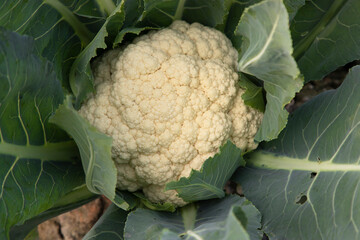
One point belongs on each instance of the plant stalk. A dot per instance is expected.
(179, 10)
(80, 29)
(306, 42)
(62, 151)
(78, 194)
(188, 214)
(107, 6)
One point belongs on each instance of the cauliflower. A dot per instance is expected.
(169, 100)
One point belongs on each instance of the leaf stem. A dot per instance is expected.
(107, 6)
(62, 151)
(78, 194)
(266, 160)
(179, 10)
(80, 29)
(188, 214)
(74, 199)
(305, 43)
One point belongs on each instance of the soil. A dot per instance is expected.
(75, 224)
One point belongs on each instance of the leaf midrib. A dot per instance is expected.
(62, 151)
(243, 65)
(271, 161)
(305, 43)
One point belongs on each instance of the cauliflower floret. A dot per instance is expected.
(245, 122)
(169, 100)
(156, 194)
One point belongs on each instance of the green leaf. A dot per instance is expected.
(161, 13)
(265, 53)
(209, 182)
(325, 36)
(166, 234)
(33, 235)
(106, 6)
(120, 22)
(210, 13)
(232, 217)
(235, 9)
(292, 6)
(74, 199)
(109, 226)
(133, 30)
(95, 151)
(306, 183)
(253, 95)
(87, 11)
(81, 78)
(168, 207)
(133, 11)
(36, 157)
(80, 30)
(45, 24)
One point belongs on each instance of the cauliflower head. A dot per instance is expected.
(169, 100)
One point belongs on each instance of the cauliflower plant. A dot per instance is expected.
(169, 100)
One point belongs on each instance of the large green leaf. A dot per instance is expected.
(222, 14)
(120, 22)
(133, 10)
(232, 217)
(209, 182)
(161, 13)
(36, 157)
(306, 183)
(40, 20)
(293, 7)
(81, 78)
(326, 36)
(199, 11)
(74, 199)
(155, 14)
(265, 53)
(95, 151)
(235, 8)
(109, 226)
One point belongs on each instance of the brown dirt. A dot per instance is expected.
(313, 88)
(75, 224)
